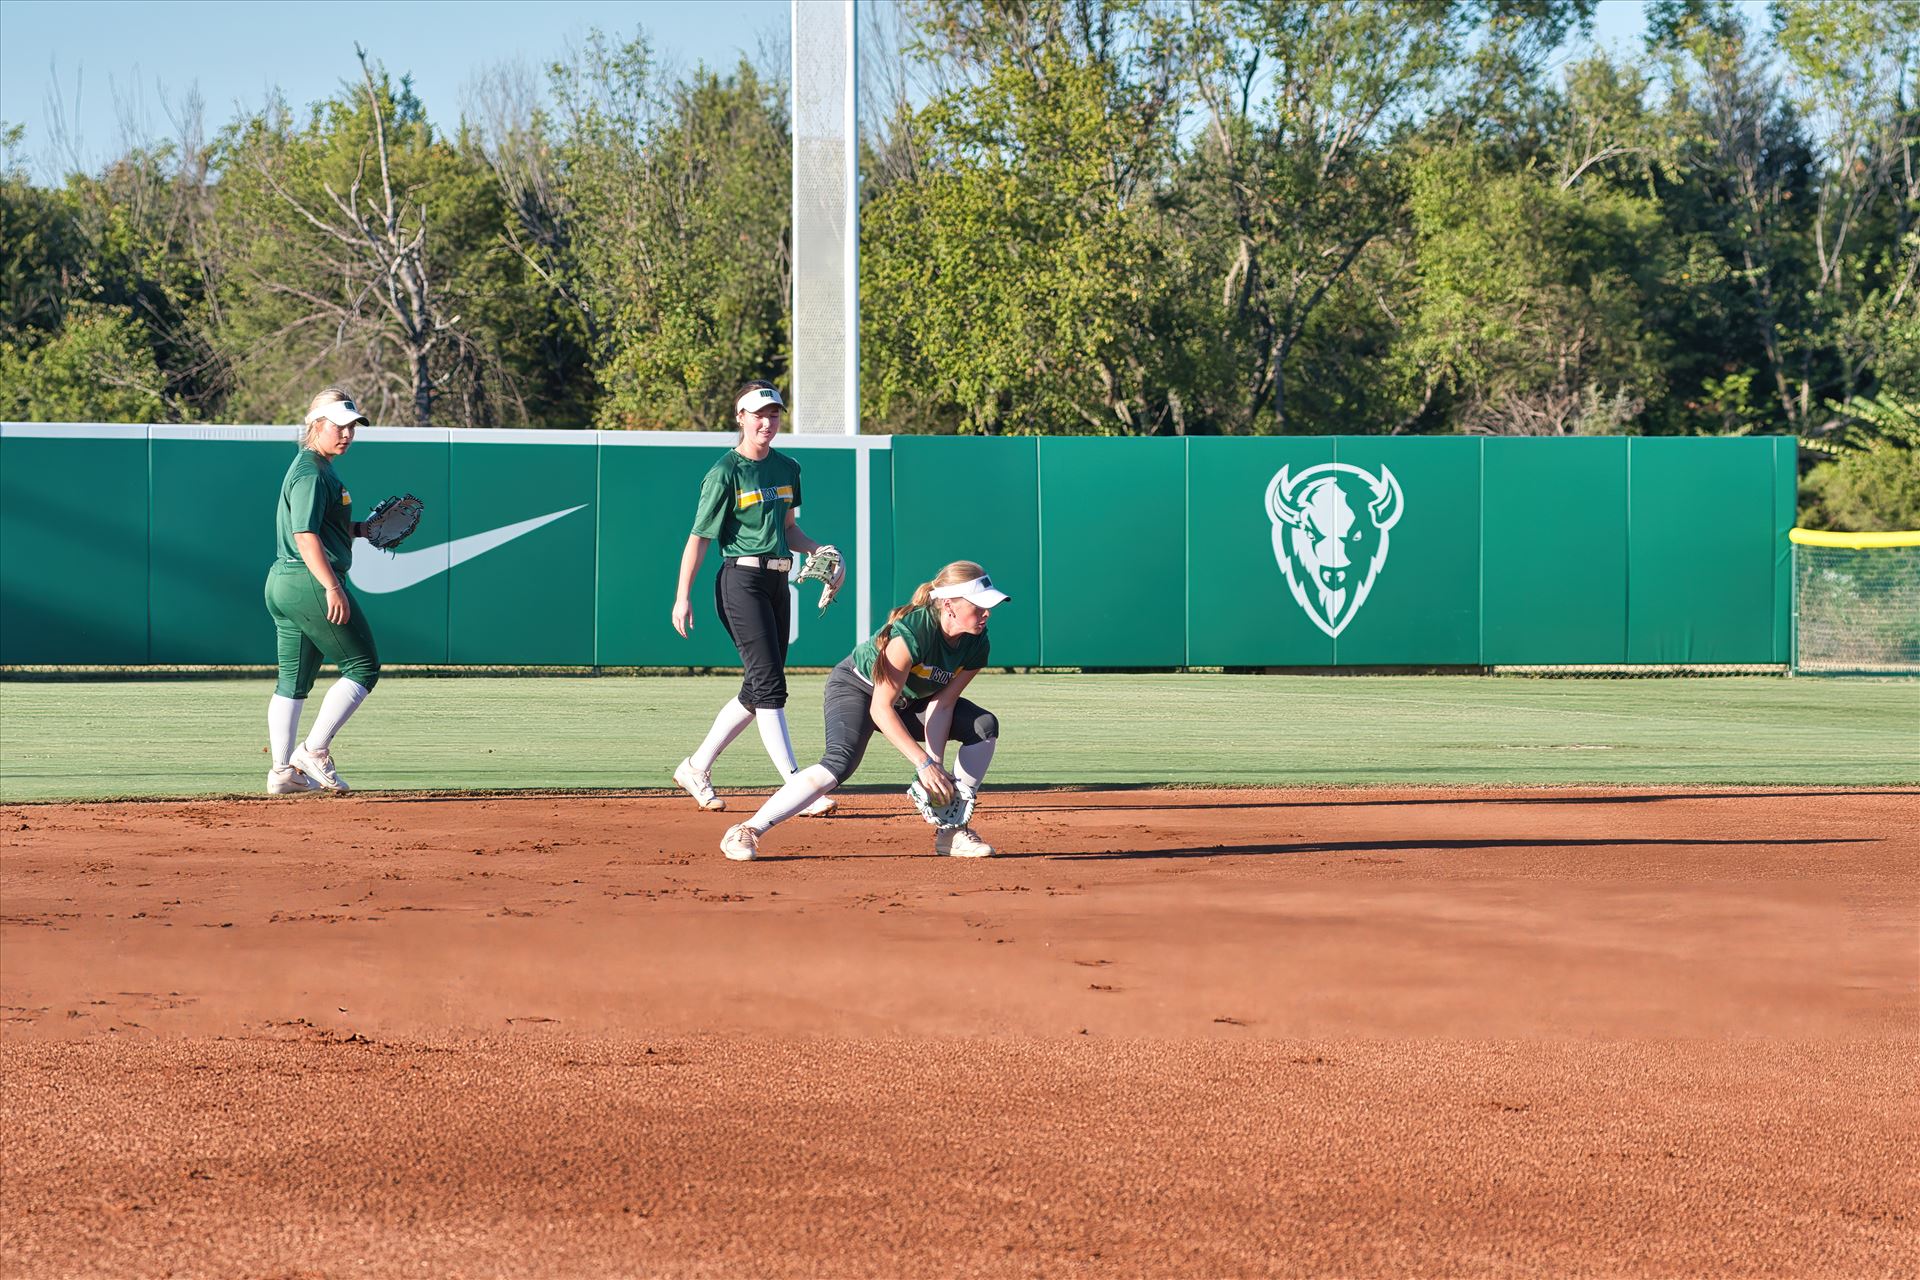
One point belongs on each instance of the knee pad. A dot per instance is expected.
(987, 726)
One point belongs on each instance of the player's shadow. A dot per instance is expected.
(1458, 798)
(1420, 846)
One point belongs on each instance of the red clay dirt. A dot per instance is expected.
(1356, 1032)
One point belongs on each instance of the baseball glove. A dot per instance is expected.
(823, 566)
(391, 520)
(954, 813)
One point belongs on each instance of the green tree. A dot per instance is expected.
(1854, 68)
(1533, 298)
(42, 253)
(145, 219)
(1297, 174)
(126, 247)
(677, 199)
(1028, 278)
(1800, 177)
(548, 331)
(1876, 489)
(97, 367)
(360, 248)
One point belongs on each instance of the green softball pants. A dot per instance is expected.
(298, 604)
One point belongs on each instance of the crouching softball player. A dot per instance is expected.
(906, 682)
(313, 614)
(748, 504)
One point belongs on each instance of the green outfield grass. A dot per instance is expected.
(178, 737)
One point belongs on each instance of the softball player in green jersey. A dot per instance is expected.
(749, 501)
(313, 613)
(905, 682)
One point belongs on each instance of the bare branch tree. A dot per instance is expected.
(371, 239)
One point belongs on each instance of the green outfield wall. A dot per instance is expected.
(149, 545)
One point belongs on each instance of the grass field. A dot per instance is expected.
(177, 737)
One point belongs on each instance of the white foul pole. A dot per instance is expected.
(825, 337)
(826, 219)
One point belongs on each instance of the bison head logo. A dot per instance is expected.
(1330, 526)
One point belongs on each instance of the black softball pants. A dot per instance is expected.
(757, 612)
(849, 710)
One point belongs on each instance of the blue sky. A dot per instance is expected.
(102, 59)
(138, 55)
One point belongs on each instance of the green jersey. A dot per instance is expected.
(314, 500)
(744, 504)
(935, 659)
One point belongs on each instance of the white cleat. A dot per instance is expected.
(285, 780)
(318, 765)
(820, 808)
(741, 843)
(960, 842)
(698, 785)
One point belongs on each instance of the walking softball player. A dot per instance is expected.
(749, 501)
(906, 682)
(313, 614)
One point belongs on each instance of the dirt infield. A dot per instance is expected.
(1605, 1033)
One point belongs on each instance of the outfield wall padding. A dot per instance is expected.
(148, 545)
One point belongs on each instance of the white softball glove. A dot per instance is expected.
(954, 813)
(824, 567)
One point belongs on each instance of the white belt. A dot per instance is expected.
(782, 564)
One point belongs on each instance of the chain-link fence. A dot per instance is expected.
(1856, 601)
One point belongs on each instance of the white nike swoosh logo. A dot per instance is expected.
(378, 572)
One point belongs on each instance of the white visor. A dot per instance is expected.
(757, 399)
(980, 591)
(341, 413)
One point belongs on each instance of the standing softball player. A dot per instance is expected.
(905, 682)
(749, 500)
(313, 613)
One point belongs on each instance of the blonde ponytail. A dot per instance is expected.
(922, 596)
(958, 571)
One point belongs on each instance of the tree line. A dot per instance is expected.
(1125, 217)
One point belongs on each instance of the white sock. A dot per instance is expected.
(773, 735)
(283, 726)
(726, 727)
(342, 700)
(802, 789)
(971, 761)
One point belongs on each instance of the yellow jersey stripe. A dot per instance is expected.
(752, 497)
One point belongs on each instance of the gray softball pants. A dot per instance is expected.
(849, 711)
